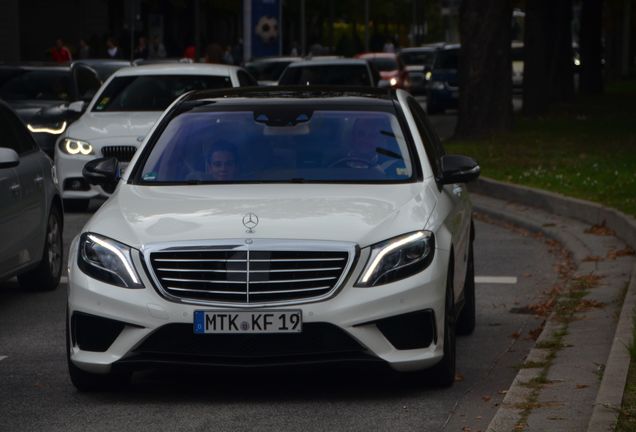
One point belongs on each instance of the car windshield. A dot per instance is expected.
(267, 70)
(19, 84)
(348, 75)
(279, 145)
(153, 92)
(384, 63)
(418, 58)
(447, 59)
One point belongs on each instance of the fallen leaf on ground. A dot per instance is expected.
(600, 230)
(581, 386)
(613, 254)
(459, 376)
(486, 398)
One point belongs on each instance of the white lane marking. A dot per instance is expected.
(496, 279)
(3, 357)
(64, 279)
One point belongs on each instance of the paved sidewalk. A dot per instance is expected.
(558, 389)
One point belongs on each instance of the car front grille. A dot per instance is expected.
(240, 275)
(122, 153)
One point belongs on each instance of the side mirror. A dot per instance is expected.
(103, 172)
(459, 169)
(8, 158)
(77, 106)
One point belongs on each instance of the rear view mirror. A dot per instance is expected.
(458, 169)
(103, 172)
(77, 106)
(8, 158)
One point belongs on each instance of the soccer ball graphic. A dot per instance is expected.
(267, 29)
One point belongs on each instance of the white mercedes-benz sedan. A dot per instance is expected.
(276, 226)
(122, 113)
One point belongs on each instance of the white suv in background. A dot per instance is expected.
(122, 113)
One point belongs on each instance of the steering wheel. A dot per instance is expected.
(351, 162)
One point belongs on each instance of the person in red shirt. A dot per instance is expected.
(59, 53)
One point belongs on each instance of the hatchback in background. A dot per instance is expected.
(390, 68)
(121, 115)
(268, 70)
(418, 62)
(332, 72)
(443, 88)
(31, 216)
(48, 98)
(277, 226)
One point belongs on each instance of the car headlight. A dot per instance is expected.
(55, 129)
(393, 82)
(436, 85)
(107, 260)
(72, 146)
(428, 75)
(398, 258)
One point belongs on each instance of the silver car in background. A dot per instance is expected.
(31, 214)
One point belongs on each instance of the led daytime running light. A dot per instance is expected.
(119, 255)
(387, 250)
(51, 131)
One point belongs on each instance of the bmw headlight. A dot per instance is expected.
(55, 129)
(107, 260)
(73, 147)
(398, 258)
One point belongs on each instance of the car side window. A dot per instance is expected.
(432, 145)
(26, 143)
(245, 79)
(8, 137)
(87, 83)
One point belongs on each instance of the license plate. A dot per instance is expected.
(262, 321)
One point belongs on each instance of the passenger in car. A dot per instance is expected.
(221, 160)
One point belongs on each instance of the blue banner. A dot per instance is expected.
(265, 28)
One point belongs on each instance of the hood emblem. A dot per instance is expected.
(250, 221)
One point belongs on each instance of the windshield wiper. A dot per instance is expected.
(388, 153)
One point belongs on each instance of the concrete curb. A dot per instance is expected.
(610, 395)
(595, 214)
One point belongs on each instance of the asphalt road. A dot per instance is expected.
(38, 396)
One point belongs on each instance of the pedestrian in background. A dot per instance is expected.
(156, 50)
(59, 53)
(112, 49)
(141, 51)
(84, 50)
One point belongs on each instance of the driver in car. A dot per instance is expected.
(368, 148)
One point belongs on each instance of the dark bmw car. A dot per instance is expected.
(47, 98)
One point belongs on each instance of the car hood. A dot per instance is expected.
(30, 109)
(95, 126)
(363, 214)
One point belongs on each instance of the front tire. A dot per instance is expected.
(46, 276)
(467, 317)
(443, 373)
(76, 205)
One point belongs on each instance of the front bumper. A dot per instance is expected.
(357, 324)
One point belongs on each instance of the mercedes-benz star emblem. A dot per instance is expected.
(250, 221)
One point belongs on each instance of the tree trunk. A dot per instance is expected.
(591, 79)
(485, 68)
(548, 74)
